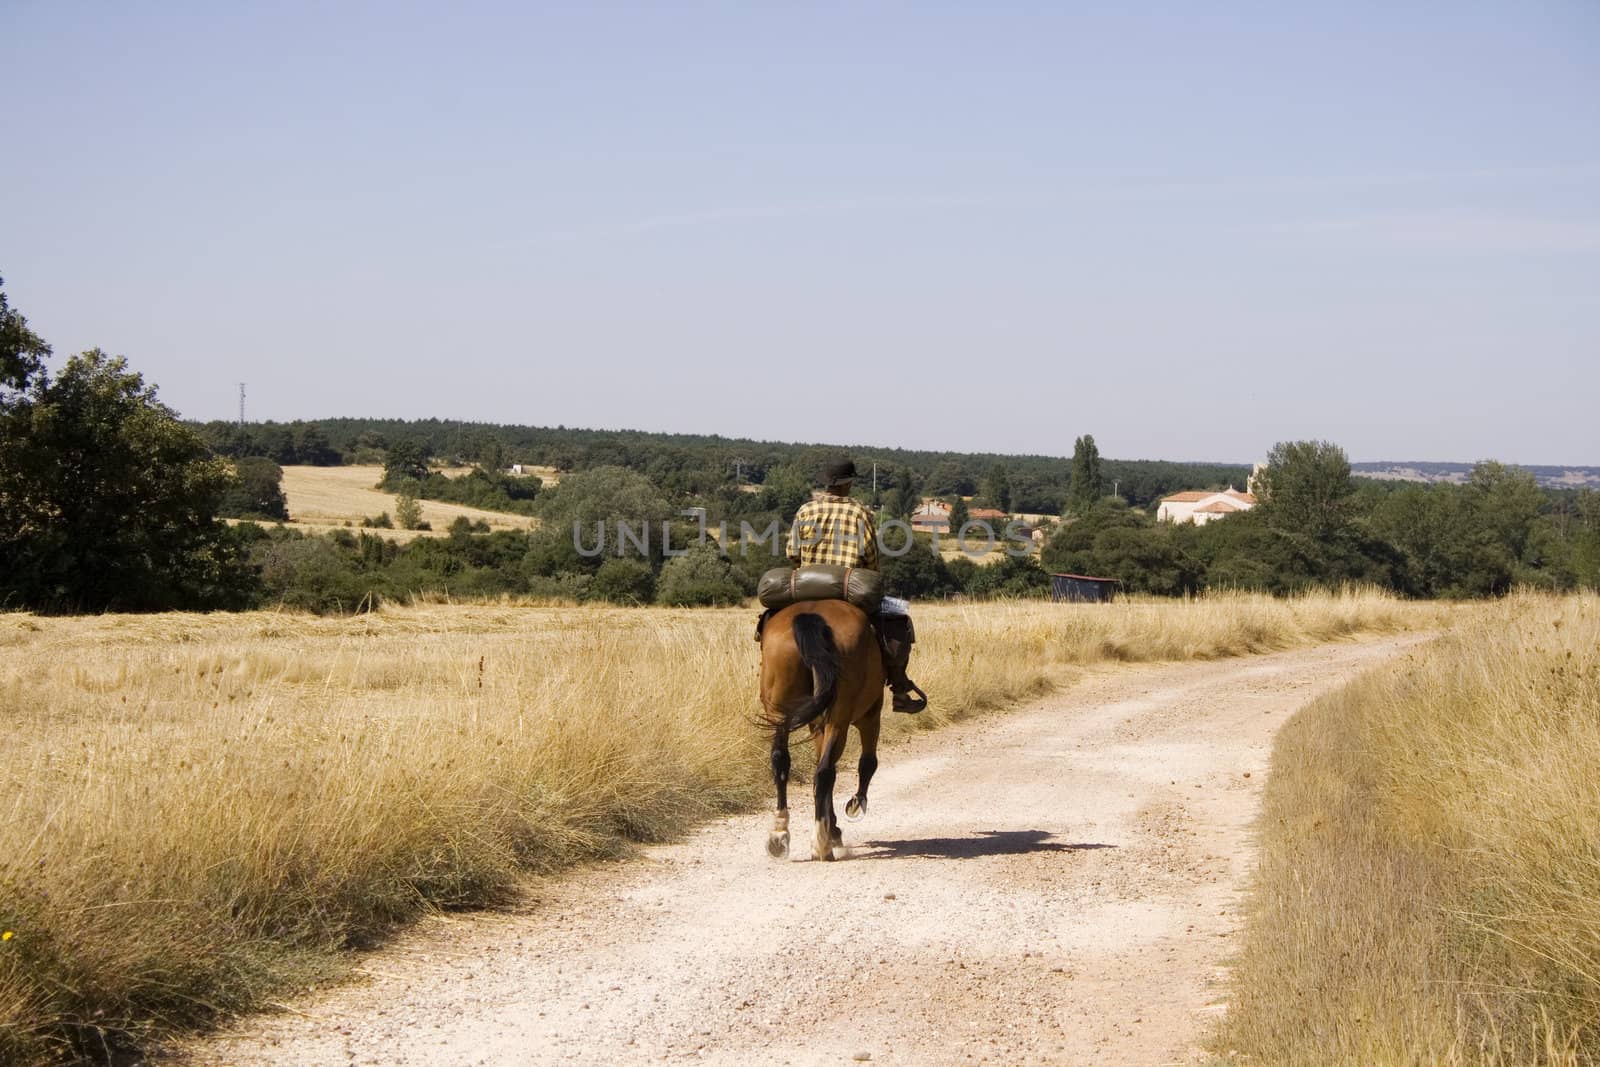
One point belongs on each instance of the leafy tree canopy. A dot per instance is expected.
(22, 352)
(1088, 485)
(1306, 486)
(256, 491)
(107, 501)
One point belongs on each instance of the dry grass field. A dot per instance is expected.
(205, 810)
(1429, 889)
(326, 498)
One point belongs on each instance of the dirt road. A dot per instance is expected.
(1053, 885)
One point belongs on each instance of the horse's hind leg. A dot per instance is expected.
(856, 806)
(830, 747)
(778, 839)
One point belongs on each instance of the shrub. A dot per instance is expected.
(919, 573)
(312, 573)
(407, 512)
(623, 581)
(701, 578)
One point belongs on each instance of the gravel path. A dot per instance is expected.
(1053, 885)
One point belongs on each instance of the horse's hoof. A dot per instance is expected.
(778, 844)
(855, 808)
(836, 839)
(823, 847)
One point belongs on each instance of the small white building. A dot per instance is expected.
(1201, 507)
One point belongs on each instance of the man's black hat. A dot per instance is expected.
(842, 469)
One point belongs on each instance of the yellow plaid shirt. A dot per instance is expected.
(834, 529)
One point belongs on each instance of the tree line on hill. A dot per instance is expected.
(108, 501)
(710, 466)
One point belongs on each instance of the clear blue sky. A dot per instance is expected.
(1191, 229)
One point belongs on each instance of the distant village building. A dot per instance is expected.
(933, 516)
(1201, 507)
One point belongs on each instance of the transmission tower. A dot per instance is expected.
(241, 405)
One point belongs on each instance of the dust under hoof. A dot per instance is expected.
(855, 808)
(824, 843)
(778, 844)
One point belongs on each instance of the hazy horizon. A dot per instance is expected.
(985, 229)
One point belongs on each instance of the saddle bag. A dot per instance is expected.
(782, 586)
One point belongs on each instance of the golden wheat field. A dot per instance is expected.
(1429, 889)
(325, 498)
(203, 809)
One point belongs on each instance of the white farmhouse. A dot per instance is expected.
(1201, 507)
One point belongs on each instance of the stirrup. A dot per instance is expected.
(916, 703)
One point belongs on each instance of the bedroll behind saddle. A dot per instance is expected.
(782, 586)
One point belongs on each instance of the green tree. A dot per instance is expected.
(491, 455)
(107, 501)
(407, 459)
(22, 352)
(407, 512)
(1585, 553)
(1088, 485)
(784, 490)
(1506, 502)
(948, 479)
(1306, 487)
(919, 572)
(997, 488)
(601, 494)
(959, 513)
(909, 487)
(256, 491)
(311, 446)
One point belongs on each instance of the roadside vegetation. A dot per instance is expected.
(204, 812)
(1429, 888)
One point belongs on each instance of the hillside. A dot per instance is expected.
(324, 498)
(1548, 476)
(708, 463)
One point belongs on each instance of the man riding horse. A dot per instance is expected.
(824, 662)
(837, 529)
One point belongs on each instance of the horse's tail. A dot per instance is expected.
(814, 641)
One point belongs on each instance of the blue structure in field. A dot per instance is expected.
(1080, 588)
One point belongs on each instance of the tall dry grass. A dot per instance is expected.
(201, 812)
(1429, 889)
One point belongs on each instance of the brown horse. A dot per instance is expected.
(821, 667)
